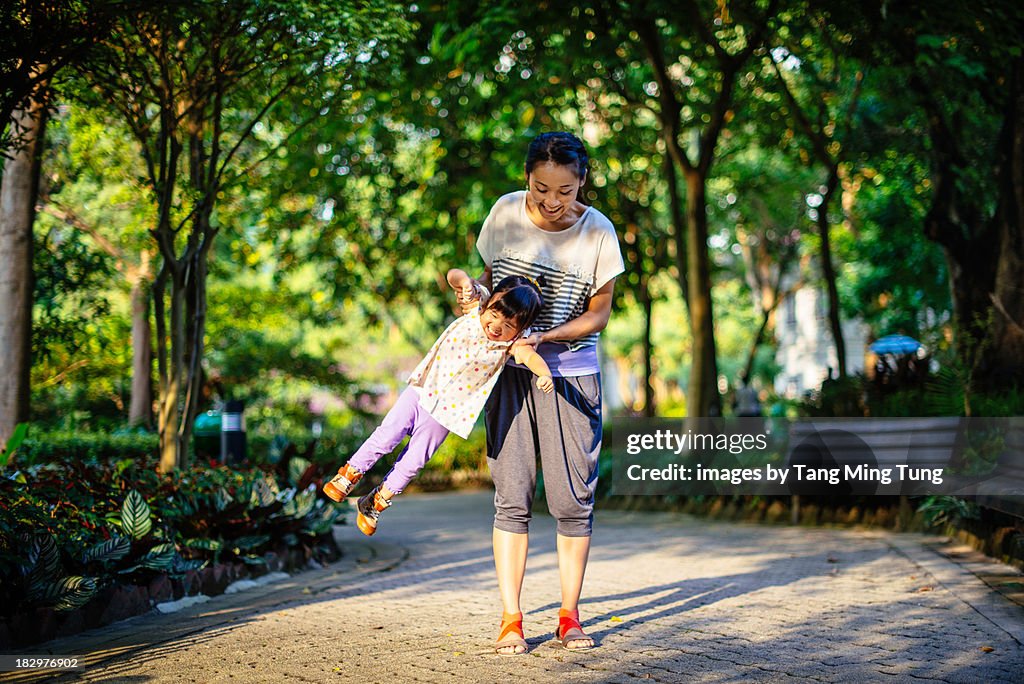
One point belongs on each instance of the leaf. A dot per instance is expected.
(75, 592)
(204, 544)
(135, 516)
(13, 442)
(222, 499)
(304, 504)
(160, 557)
(254, 560)
(44, 559)
(262, 495)
(249, 542)
(986, 649)
(181, 566)
(112, 550)
(296, 468)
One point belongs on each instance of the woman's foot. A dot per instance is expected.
(343, 483)
(570, 632)
(510, 635)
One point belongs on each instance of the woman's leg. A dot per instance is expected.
(510, 551)
(572, 566)
(512, 454)
(570, 434)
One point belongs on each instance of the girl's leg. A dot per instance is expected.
(396, 425)
(426, 437)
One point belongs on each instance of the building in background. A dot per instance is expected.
(805, 349)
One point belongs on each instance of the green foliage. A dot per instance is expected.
(86, 446)
(13, 442)
(73, 525)
(947, 510)
(344, 206)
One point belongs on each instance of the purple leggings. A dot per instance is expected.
(406, 417)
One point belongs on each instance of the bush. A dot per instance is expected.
(84, 446)
(72, 525)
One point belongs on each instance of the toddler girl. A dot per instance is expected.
(448, 389)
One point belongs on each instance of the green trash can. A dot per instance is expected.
(206, 436)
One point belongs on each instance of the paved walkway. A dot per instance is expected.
(668, 599)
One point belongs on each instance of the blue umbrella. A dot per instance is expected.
(895, 344)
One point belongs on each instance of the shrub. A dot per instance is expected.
(68, 527)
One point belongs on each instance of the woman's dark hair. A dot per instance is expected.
(520, 300)
(562, 148)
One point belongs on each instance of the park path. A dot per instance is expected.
(668, 598)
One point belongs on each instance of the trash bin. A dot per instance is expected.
(206, 436)
(232, 432)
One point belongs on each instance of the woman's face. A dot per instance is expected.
(553, 189)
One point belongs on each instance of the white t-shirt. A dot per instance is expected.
(575, 262)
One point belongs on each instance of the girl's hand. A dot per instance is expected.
(545, 384)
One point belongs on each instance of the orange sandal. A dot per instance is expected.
(511, 635)
(569, 630)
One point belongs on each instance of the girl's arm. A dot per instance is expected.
(593, 320)
(525, 355)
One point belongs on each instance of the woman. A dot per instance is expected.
(571, 249)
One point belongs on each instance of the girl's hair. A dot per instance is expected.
(562, 148)
(520, 300)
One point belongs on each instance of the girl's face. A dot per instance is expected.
(497, 327)
(553, 189)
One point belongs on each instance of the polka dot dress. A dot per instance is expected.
(456, 376)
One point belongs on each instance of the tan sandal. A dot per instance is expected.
(569, 630)
(511, 635)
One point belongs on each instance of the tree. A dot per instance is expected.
(39, 39)
(18, 190)
(92, 190)
(198, 85)
(831, 91)
(961, 65)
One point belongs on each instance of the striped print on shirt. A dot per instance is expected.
(565, 294)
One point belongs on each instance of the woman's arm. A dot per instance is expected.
(593, 320)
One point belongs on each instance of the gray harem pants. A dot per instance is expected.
(564, 429)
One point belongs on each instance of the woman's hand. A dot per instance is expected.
(468, 292)
(532, 341)
(468, 296)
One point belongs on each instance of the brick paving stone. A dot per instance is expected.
(668, 598)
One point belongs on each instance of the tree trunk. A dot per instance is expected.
(1002, 362)
(171, 350)
(702, 397)
(678, 228)
(648, 347)
(18, 191)
(141, 406)
(829, 272)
